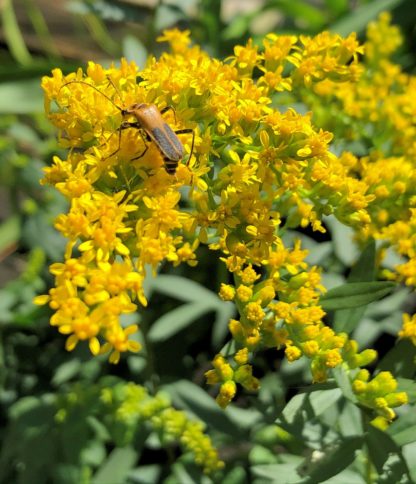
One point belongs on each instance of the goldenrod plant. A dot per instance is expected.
(270, 141)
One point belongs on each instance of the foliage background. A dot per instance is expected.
(187, 319)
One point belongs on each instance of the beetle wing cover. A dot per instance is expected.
(168, 142)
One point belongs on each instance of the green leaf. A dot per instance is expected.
(344, 383)
(9, 233)
(389, 304)
(301, 10)
(403, 430)
(176, 320)
(134, 50)
(332, 459)
(380, 448)
(355, 295)
(336, 7)
(192, 398)
(343, 239)
(166, 16)
(399, 360)
(319, 253)
(306, 406)
(285, 473)
(359, 18)
(225, 312)
(237, 27)
(117, 466)
(409, 454)
(66, 371)
(237, 475)
(184, 289)
(13, 35)
(407, 385)
(145, 474)
(8, 298)
(364, 270)
(350, 419)
(262, 455)
(21, 97)
(94, 453)
(185, 474)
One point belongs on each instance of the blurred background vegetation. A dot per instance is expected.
(36, 36)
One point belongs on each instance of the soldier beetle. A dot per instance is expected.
(152, 127)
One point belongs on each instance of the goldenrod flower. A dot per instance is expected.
(254, 171)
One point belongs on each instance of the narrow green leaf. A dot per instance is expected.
(182, 474)
(9, 232)
(389, 304)
(380, 448)
(350, 419)
(145, 474)
(277, 473)
(21, 97)
(336, 7)
(225, 312)
(403, 430)
(344, 383)
(334, 458)
(306, 406)
(364, 270)
(184, 289)
(301, 10)
(399, 360)
(237, 475)
(66, 371)
(321, 400)
(407, 385)
(409, 455)
(13, 35)
(176, 320)
(117, 467)
(237, 27)
(355, 295)
(319, 253)
(134, 50)
(343, 239)
(188, 396)
(40, 25)
(359, 18)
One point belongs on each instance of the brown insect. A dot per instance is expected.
(152, 127)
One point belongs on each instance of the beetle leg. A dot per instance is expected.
(169, 108)
(123, 125)
(145, 138)
(187, 131)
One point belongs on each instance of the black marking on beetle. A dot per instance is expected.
(170, 147)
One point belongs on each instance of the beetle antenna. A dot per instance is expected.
(96, 89)
(114, 86)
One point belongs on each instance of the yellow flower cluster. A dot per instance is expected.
(294, 322)
(377, 113)
(379, 394)
(251, 164)
(228, 376)
(250, 172)
(171, 425)
(129, 407)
